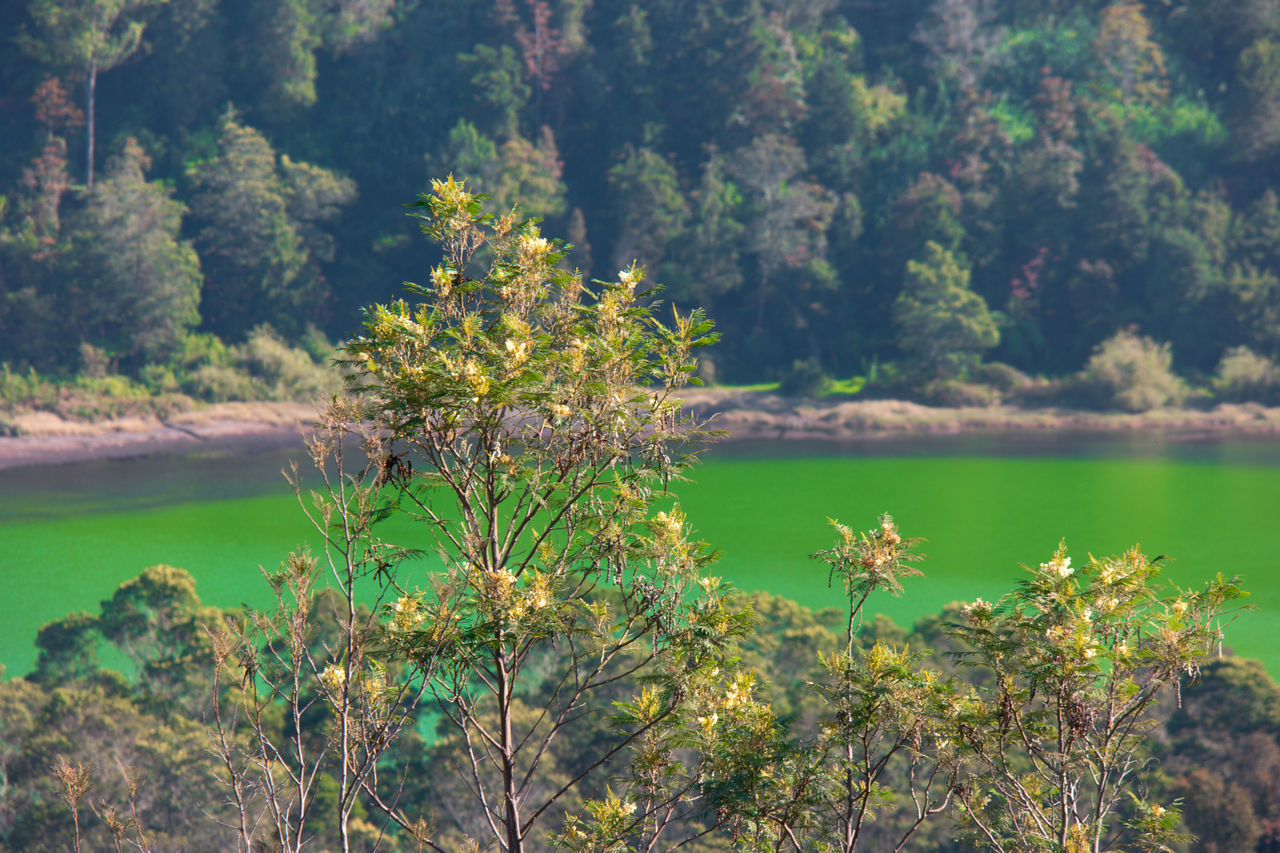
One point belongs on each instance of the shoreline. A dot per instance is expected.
(48, 439)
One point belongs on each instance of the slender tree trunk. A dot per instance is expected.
(91, 86)
(515, 843)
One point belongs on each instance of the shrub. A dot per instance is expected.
(159, 379)
(220, 384)
(201, 349)
(1000, 376)
(1244, 375)
(805, 378)
(954, 393)
(285, 372)
(1131, 373)
(25, 389)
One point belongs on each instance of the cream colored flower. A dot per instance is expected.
(334, 677)
(406, 614)
(517, 351)
(534, 246)
(1060, 566)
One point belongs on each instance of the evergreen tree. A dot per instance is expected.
(139, 284)
(941, 323)
(261, 236)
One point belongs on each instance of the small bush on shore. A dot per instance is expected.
(1003, 377)
(1243, 375)
(805, 378)
(956, 393)
(1131, 373)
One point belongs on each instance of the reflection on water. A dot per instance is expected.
(128, 485)
(125, 485)
(1190, 447)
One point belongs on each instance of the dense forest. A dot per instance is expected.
(542, 660)
(946, 197)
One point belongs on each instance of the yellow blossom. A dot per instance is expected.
(406, 614)
(534, 246)
(517, 351)
(334, 677)
(1060, 566)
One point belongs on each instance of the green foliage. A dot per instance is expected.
(133, 747)
(940, 321)
(805, 378)
(261, 234)
(141, 284)
(1244, 375)
(1072, 661)
(650, 207)
(1131, 373)
(776, 166)
(264, 367)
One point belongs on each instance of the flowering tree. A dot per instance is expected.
(1075, 660)
(531, 428)
(886, 733)
(300, 701)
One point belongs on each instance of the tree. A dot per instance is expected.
(789, 223)
(515, 170)
(520, 402)
(139, 284)
(529, 426)
(886, 730)
(960, 38)
(1073, 659)
(1132, 62)
(651, 210)
(85, 37)
(940, 321)
(261, 234)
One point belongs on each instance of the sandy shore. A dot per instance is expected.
(761, 415)
(47, 439)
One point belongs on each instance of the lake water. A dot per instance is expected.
(70, 534)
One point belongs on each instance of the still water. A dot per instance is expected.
(987, 505)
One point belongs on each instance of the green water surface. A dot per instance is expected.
(69, 535)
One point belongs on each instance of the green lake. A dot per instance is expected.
(987, 505)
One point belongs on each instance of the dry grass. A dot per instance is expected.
(763, 415)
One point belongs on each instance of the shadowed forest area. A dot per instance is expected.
(956, 200)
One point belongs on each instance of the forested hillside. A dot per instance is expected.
(885, 188)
